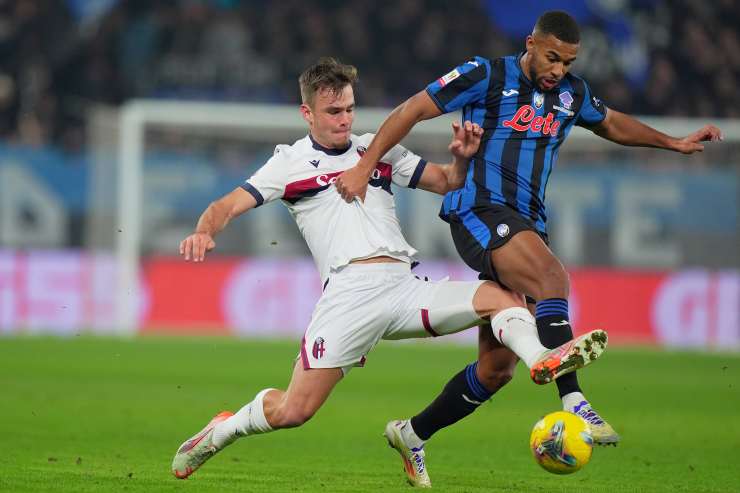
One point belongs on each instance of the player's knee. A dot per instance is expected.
(490, 298)
(553, 279)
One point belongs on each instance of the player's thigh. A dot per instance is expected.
(348, 321)
(505, 247)
(525, 262)
(434, 308)
(491, 298)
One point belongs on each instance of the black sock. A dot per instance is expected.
(553, 328)
(462, 395)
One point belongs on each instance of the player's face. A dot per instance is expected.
(549, 60)
(330, 117)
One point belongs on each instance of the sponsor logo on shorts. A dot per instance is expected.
(318, 348)
(502, 230)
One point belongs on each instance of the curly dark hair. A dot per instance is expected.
(560, 24)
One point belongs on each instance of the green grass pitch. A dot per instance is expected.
(101, 414)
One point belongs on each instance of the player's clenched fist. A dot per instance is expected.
(353, 182)
(195, 246)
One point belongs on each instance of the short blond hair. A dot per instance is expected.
(326, 73)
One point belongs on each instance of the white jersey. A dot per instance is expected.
(302, 175)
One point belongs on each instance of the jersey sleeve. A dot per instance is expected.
(463, 85)
(407, 167)
(593, 110)
(268, 183)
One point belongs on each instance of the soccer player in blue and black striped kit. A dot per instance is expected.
(527, 104)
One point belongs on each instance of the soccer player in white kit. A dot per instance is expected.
(365, 264)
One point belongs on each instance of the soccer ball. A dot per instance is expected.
(561, 442)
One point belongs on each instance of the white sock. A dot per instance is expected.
(516, 329)
(410, 436)
(573, 400)
(249, 420)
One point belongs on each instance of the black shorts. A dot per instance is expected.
(478, 231)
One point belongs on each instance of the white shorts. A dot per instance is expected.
(364, 303)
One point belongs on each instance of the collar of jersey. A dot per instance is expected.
(326, 150)
(522, 76)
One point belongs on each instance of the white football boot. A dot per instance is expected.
(413, 458)
(601, 431)
(196, 450)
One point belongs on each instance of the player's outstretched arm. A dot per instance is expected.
(441, 178)
(353, 182)
(627, 130)
(212, 221)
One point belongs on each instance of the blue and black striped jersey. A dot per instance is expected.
(523, 129)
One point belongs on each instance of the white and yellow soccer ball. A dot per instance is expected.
(561, 442)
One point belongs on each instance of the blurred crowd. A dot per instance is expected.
(59, 57)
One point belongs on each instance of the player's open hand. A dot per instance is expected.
(692, 142)
(465, 139)
(195, 246)
(353, 183)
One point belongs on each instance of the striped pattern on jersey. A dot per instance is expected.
(523, 130)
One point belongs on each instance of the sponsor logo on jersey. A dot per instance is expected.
(566, 99)
(539, 99)
(562, 110)
(509, 92)
(319, 348)
(447, 78)
(308, 187)
(502, 230)
(315, 162)
(525, 119)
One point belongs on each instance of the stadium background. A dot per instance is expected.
(88, 404)
(651, 237)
